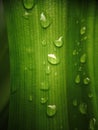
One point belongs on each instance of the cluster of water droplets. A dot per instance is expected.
(53, 59)
(82, 78)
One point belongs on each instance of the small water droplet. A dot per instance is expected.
(59, 42)
(26, 15)
(75, 103)
(90, 95)
(77, 21)
(84, 38)
(92, 123)
(44, 86)
(30, 98)
(48, 70)
(86, 80)
(83, 58)
(44, 100)
(75, 64)
(28, 4)
(51, 110)
(80, 68)
(83, 30)
(77, 79)
(83, 108)
(44, 20)
(44, 43)
(53, 59)
(74, 52)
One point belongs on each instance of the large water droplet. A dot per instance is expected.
(86, 80)
(83, 30)
(44, 86)
(92, 123)
(44, 43)
(51, 110)
(30, 98)
(77, 79)
(28, 4)
(83, 108)
(75, 103)
(59, 42)
(44, 20)
(53, 59)
(83, 58)
(44, 100)
(48, 70)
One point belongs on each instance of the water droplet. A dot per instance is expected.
(83, 30)
(26, 15)
(75, 103)
(80, 68)
(44, 43)
(74, 52)
(92, 123)
(75, 64)
(30, 98)
(83, 108)
(48, 70)
(90, 95)
(83, 58)
(77, 21)
(44, 86)
(28, 4)
(44, 100)
(84, 38)
(44, 20)
(59, 42)
(77, 79)
(51, 110)
(86, 80)
(53, 59)
(78, 43)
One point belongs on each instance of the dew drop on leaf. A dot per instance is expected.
(28, 4)
(77, 79)
(30, 98)
(75, 103)
(92, 123)
(53, 59)
(44, 43)
(83, 58)
(86, 80)
(44, 100)
(45, 21)
(51, 110)
(83, 30)
(83, 108)
(48, 70)
(59, 42)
